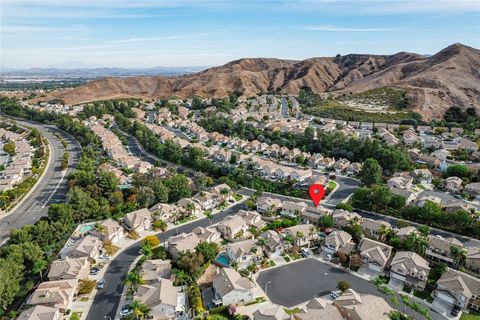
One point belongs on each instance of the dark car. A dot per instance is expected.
(455, 311)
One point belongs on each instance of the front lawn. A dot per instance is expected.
(471, 316)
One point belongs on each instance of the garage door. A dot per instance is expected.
(375, 268)
(397, 276)
(445, 297)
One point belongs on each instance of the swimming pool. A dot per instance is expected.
(222, 260)
(86, 228)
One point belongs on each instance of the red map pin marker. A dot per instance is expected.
(316, 192)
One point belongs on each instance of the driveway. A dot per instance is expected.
(301, 281)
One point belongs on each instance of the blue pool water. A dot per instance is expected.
(223, 260)
(86, 228)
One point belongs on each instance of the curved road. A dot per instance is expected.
(106, 301)
(51, 188)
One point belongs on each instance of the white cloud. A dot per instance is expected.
(358, 7)
(349, 29)
(167, 38)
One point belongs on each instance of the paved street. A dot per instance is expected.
(106, 301)
(346, 187)
(301, 281)
(52, 188)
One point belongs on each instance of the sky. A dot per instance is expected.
(147, 33)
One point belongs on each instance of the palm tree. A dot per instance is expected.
(162, 225)
(383, 231)
(190, 208)
(459, 255)
(140, 310)
(300, 236)
(133, 281)
(224, 193)
(38, 267)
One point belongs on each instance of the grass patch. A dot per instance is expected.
(471, 316)
(272, 263)
(237, 197)
(394, 98)
(292, 311)
(185, 220)
(257, 300)
(427, 296)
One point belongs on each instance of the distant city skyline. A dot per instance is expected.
(149, 33)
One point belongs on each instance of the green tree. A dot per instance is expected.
(458, 170)
(371, 172)
(343, 285)
(179, 187)
(208, 250)
(10, 277)
(9, 148)
(140, 311)
(326, 221)
(133, 281)
(108, 181)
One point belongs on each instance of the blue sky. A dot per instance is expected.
(146, 33)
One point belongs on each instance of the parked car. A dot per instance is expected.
(455, 311)
(305, 253)
(94, 271)
(125, 311)
(101, 284)
(335, 294)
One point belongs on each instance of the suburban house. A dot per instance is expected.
(161, 299)
(293, 209)
(453, 184)
(336, 240)
(344, 218)
(244, 252)
(375, 254)
(88, 246)
(439, 249)
(374, 228)
(273, 244)
(318, 309)
(39, 312)
(109, 230)
(354, 306)
(275, 312)
(69, 269)
(409, 268)
(208, 234)
(422, 176)
(400, 182)
(473, 189)
(139, 220)
(456, 288)
(165, 211)
(303, 234)
(473, 259)
(152, 271)
(223, 192)
(57, 294)
(231, 288)
(182, 243)
(206, 200)
(190, 206)
(405, 232)
(232, 227)
(266, 204)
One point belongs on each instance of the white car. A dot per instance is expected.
(328, 257)
(335, 294)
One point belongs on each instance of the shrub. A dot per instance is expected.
(152, 240)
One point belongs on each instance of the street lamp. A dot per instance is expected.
(266, 287)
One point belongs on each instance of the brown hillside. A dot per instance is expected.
(449, 78)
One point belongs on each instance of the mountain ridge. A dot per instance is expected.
(433, 83)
